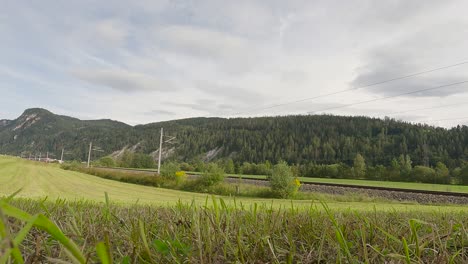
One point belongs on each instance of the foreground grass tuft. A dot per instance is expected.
(86, 232)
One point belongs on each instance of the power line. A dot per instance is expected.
(388, 97)
(426, 108)
(352, 89)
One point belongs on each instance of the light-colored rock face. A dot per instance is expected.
(210, 155)
(27, 121)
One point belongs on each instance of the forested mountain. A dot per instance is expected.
(322, 139)
(38, 130)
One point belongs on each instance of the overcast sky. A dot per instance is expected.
(154, 60)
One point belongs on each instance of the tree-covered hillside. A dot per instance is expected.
(323, 139)
(38, 130)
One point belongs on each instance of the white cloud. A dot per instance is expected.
(213, 57)
(124, 81)
(234, 53)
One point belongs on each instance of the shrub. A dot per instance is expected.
(106, 162)
(169, 170)
(212, 175)
(74, 165)
(186, 167)
(282, 181)
(424, 174)
(359, 167)
(142, 161)
(180, 177)
(442, 173)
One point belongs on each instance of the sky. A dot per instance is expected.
(154, 60)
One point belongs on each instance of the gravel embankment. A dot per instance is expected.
(392, 195)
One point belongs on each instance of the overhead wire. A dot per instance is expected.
(352, 89)
(388, 97)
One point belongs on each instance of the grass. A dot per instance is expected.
(39, 180)
(374, 183)
(87, 219)
(88, 232)
(388, 184)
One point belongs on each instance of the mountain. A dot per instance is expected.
(4, 122)
(38, 130)
(297, 139)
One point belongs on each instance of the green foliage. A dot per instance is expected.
(229, 166)
(135, 160)
(282, 181)
(180, 177)
(186, 167)
(359, 166)
(464, 175)
(169, 170)
(378, 172)
(73, 165)
(405, 165)
(142, 161)
(126, 159)
(424, 174)
(212, 175)
(135, 177)
(323, 139)
(106, 161)
(442, 173)
(255, 169)
(219, 232)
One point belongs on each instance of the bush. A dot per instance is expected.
(282, 181)
(212, 175)
(169, 170)
(180, 177)
(442, 173)
(186, 167)
(106, 162)
(424, 174)
(74, 165)
(142, 161)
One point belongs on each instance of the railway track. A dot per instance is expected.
(351, 186)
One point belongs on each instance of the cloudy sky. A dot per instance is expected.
(153, 60)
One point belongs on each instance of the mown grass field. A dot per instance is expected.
(167, 226)
(40, 180)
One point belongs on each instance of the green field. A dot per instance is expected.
(160, 229)
(388, 184)
(39, 180)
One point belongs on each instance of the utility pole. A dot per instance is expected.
(160, 151)
(61, 157)
(89, 154)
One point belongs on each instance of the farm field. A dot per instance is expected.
(388, 184)
(159, 229)
(39, 180)
(144, 224)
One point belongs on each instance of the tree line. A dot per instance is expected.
(307, 141)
